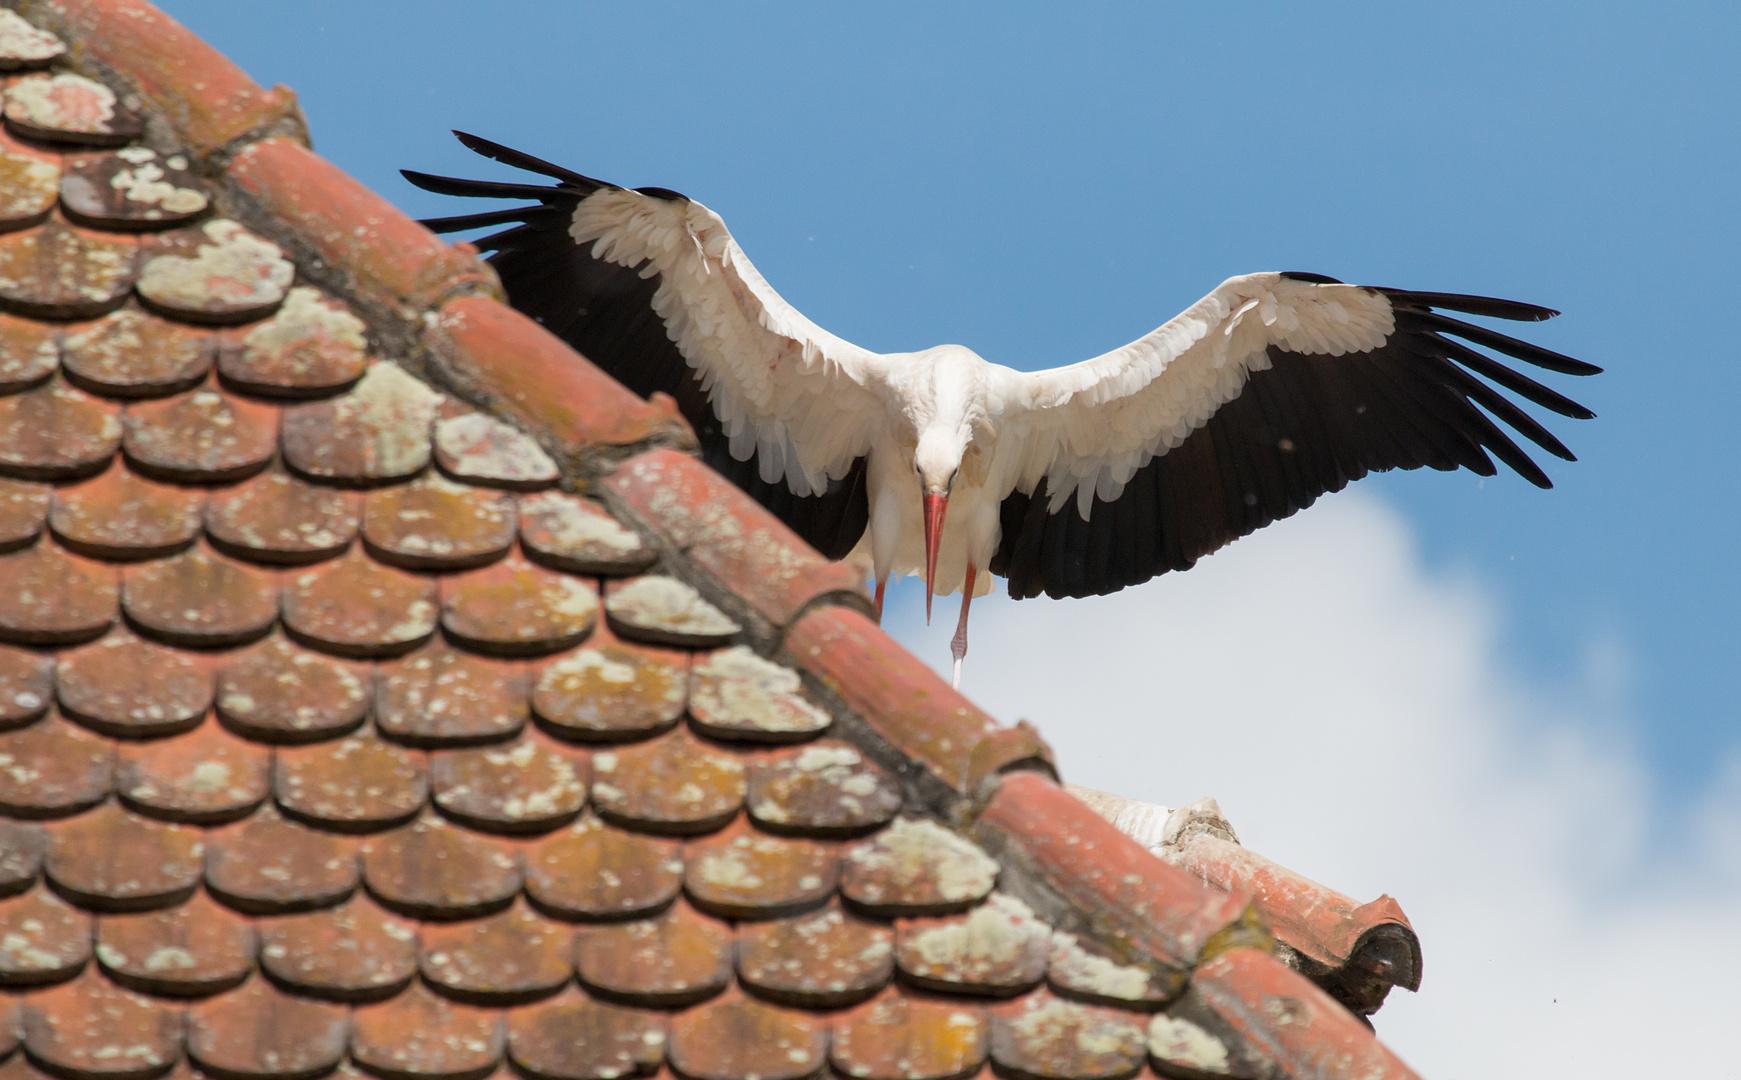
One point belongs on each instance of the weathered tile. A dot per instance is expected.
(111, 859)
(824, 959)
(674, 784)
(525, 786)
(29, 183)
(277, 518)
(69, 108)
(56, 432)
(269, 865)
(901, 1037)
(515, 608)
(433, 523)
(354, 606)
(592, 870)
(311, 347)
(514, 956)
(611, 691)
(205, 436)
(122, 516)
(826, 788)
(23, 512)
(51, 769)
(378, 431)
(200, 598)
(43, 939)
(1048, 1038)
(279, 692)
(916, 866)
(439, 696)
(1080, 968)
(25, 46)
(1181, 1048)
(26, 686)
(745, 874)
(735, 694)
(483, 450)
(133, 353)
(60, 271)
(56, 598)
(673, 959)
(665, 611)
(195, 949)
(22, 846)
(573, 1037)
(208, 777)
(433, 870)
(29, 352)
(359, 783)
(998, 948)
(566, 532)
(218, 272)
(127, 686)
(356, 952)
(133, 188)
(739, 1038)
(90, 1028)
(258, 1031)
(419, 1034)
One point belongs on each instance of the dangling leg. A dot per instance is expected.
(958, 647)
(882, 584)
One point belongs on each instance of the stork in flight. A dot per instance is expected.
(1270, 391)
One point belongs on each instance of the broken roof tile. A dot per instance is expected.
(433, 870)
(43, 939)
(354, 952)
(612, 691)
(122, 516)
(127, 686)
(53, 768)
(1081, 968)
(132, 353)
(513, 956)
(665, 611)
(258, 1031)
(378, 431)
(271, 865)
(566, 532)
(69, 108)
(733, 693)
(311, 347)
(91, 1028)
(419, 1034)
(524, 786)
(440, 696)
(56, 432)
(827, 787)
(193, 950)
(217, 272)
(901, 1037)
(745, 874)
(200, 598)
(26, 686)
(433, 523)
(998, 948)
(358, 783)
(354, 606)
(133, 188)
(573, 1037)
(205, 436)
(29, 352)
(824, 959)
(515, 608)
(24, 46)
(56, 598)
(677, 958)
(206, 778)
(673, 784)
(277, 691)
(1048, 1038)
(916, 866)
(740, 1038)
(278, 518)
(592, 870)
(483, 450)
(23, 511)
(60, 271)
(111, 859)
(29, 183)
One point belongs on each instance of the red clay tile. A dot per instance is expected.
(592, 870)
(1082, 968)
(916, 866)
(354, 606)
(11, 1014)
(418, 1034)
(433, 870)
(277, 692)
(740, 1038)
(439, 696)
(89, 1028)
(68, 108)
(257, 1031)
(517, 609)
(999, 949)
(23, 510)
(357, 952)
(277, 518)
(750, 551)
(29, 352)
(673, 959)
(569, 405)
(735, 694)
(610, 691)
(56, 432)
(566, 532)
(193, 950)
(1049, 1038)
(25, 47)
(827, 788)
(132, 189)
(112, 860)
(901, 1037)
(52, 768)
(662, 610)
(26, 686)
(742, 873)
(204, 779)
(132, 353)
(378, 431)
(673, 784)
(56, 598)
(43, 939)
(821, 960)
(310, 348)
(203, 437)
(22, 846)
(217, 272)
(200, 598)
(29, 183)
(59, 271)
(514, 956)
(433, 523)
(359, 783)
(526, 786)
(269, 865)
(127, 686)
(574, 1037)
(120, 515)
(482, 450)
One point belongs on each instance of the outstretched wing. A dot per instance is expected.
(1265, 394)
(651, 286)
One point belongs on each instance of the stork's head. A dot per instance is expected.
(937, 461)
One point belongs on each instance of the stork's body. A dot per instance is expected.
(1270, 391)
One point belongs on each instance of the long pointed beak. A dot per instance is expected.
(935, 507)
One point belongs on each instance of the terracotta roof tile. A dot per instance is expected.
(204, 436)
(377, 431)
(662, 610)
(200, 598)
(354, 606)
(69, 108)
(29, 183)
(354, 952)
(569, 533)
(734, 693)
(277, 518)
(513, 956)
(133, 188)
(826, 788)
(56, 431)
(23, 46)
(133, 353)
(270, 865)
(916, 866)
(436, 524)
(90, 1028)
(421, 1035)
(440, 696)
(740, 1038)
(524, 786)
(574, 1037)
(26, 686)
(999, 948)
(258, 1031)
(1048, 1037)
(215, 272)
(206, 778)
(60, 271)
(1081, 968)
(593, 870)
(276, 691)
(193, 950)
(57, 598)
(675, 783)
(823, 959)
(902, 1037)
(742, 873)
(516, 608)
(610, 691)
(53, 768)
(673, 959)
(359, 783)
(122, 516)
(312, 346)
(29, 352)
(22, 846)
(43, 939)
(23, 510)
(483, 450)
(129, 686)
(111, 859)
(433, 870)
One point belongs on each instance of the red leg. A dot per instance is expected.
(958, 647)
(882, 583)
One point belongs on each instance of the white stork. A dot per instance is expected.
(1263, 395)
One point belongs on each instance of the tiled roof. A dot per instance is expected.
(382, 688)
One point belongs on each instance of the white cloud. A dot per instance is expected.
(1354, 715)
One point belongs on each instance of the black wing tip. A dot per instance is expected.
(1315, 279)
(663, 193)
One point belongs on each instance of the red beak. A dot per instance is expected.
(935, 507)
